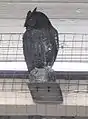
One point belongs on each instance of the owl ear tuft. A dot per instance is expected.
(29, 12)
(34, 10)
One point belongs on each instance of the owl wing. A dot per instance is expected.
(28, 50)
(33, 49)
(52, 45)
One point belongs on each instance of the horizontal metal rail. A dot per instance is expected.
(73, 47)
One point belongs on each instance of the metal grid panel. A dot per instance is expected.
(11, 47)
(67, 86)
(16, 93)
(73, 47)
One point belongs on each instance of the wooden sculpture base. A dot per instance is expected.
(46, 92)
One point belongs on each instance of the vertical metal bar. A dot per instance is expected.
(8, 48)
(81, 48)
(0, 38)
(72, 48)
(17, 46)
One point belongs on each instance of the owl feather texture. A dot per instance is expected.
(40, 42)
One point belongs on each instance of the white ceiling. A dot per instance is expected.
(66, 15)
(58, 9)
(45, 1)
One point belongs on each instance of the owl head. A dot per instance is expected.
(36, 20)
